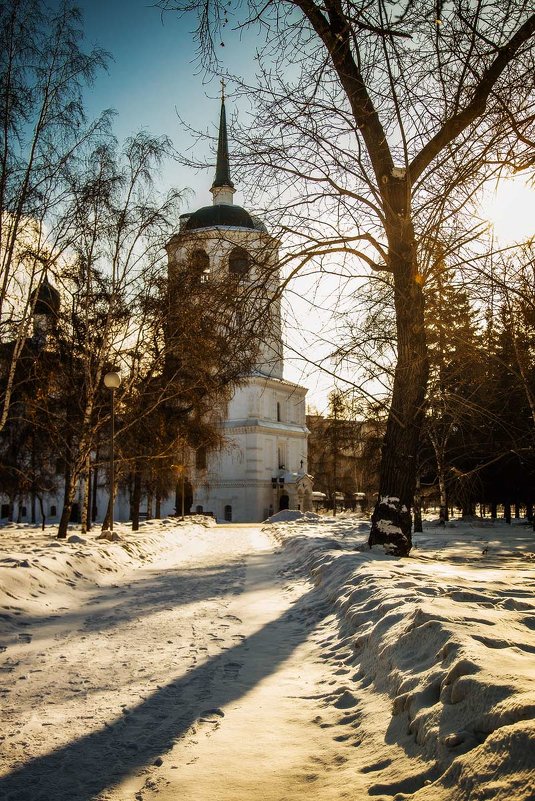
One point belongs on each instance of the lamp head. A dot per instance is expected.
(112, 380)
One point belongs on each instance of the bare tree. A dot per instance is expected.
(118, 234)
(372, 137)
(42, 131)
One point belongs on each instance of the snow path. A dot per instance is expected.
(193, 661)
(198, 679)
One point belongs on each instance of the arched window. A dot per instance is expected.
(199, 264)
(238, 262)
(200, 458)
(228, 513)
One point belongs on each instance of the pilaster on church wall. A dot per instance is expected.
(238, 406)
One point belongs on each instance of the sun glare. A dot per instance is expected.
(510, 209)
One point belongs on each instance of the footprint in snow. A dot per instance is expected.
(232, 669)
(211, 716)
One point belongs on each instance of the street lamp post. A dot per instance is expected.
(112, 381)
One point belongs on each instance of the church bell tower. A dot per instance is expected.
(263, 467)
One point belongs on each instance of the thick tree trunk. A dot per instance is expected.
(107, 517)
(158, 510)
(392, 519)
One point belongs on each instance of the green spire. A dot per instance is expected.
(222, 170)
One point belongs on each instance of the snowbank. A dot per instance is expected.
(449, 636)
(40, 574)
(435, 652)
(293, 516)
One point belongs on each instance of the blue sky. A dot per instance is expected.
(153, 76)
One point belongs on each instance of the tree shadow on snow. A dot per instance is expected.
(115, 605)
(83, 769)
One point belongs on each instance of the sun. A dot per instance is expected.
(510, 208)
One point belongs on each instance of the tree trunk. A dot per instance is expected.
(418, 507)
(43, 518)
(136, 498)
(468, 508)
(178, 499)
(158, 511)
(106, 523)
(107, 517)
(68, 500)
(83, 504)
(89, 495)
(443, 511)
(529, 511)
(494, 510)
(507, 512)
(391, 519)
(94, 507)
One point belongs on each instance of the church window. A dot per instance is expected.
(238, 262)
(199, 510)
(200, 458)
(53, 511)
(199, 264)
(278, 412)
(228, 513)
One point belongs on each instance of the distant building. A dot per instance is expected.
(344, 460)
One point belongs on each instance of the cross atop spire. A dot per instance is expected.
(222, 187)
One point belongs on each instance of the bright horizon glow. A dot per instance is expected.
(510, 209)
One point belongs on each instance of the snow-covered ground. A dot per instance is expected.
(218, 663)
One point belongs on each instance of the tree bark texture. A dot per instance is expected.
(392, 519)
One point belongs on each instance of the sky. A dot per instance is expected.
(152, 78)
